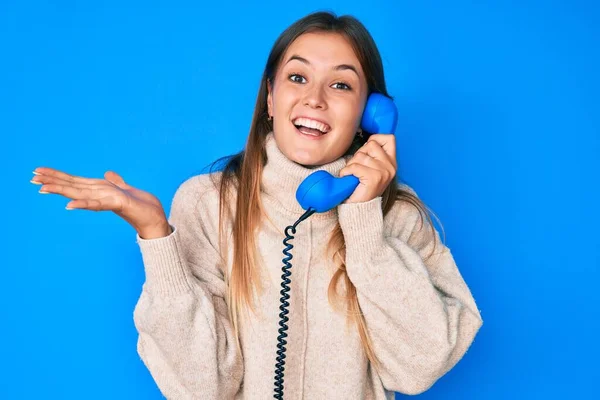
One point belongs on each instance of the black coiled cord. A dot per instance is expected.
(281, 342)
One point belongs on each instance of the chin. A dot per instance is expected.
(306, 158)
(306, 151)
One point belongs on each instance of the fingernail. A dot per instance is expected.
(35, 183)
(43, 192)
(36, 173)
(68, 208)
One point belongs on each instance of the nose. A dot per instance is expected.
(314, 98)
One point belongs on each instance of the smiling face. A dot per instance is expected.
(317, 98)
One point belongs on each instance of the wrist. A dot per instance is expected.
(155, 232)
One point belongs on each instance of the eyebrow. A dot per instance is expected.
(340, 67)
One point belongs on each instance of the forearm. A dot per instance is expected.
(421, 316)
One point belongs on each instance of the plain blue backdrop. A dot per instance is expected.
(499, 133)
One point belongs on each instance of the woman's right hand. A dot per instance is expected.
(140, 209)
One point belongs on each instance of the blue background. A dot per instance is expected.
(499, 133)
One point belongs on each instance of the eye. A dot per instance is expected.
(342, 85)
(297, 78)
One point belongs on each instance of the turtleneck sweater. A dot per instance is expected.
(420, 315)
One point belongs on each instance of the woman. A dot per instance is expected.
(377, 303)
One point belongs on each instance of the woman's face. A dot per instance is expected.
(317, 98)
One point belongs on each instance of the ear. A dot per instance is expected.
(269, 98)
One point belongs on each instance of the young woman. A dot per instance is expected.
(377, 303)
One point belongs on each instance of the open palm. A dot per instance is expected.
(140, 209)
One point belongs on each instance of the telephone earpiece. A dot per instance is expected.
(322, 191)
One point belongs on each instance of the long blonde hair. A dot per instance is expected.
(241, 177)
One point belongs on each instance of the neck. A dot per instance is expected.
(282, 176)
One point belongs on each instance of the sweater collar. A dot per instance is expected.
(282, 176)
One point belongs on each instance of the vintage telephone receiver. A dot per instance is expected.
(320, 192)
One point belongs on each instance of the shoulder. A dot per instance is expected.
(199, 186)
(198, 194)
(195, 208)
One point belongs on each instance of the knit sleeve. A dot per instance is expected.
(185, 337)
(419, 313)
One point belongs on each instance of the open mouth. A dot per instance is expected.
(311, 127)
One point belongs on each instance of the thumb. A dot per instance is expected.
(115, 179)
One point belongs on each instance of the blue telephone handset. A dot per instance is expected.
(322, 191)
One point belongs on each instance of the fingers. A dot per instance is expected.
(45, 171)
(382, 147)
(374, 164)
(366, 160)
(90, 198)
(45, 179)
(367, 169)
(116, 180)
(70, 191)
(102, 204)
(375, 158)
(95, 195)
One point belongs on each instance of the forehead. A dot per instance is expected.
(324, 49)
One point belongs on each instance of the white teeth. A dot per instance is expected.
(311, 123)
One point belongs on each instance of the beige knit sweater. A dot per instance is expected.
(421, 316)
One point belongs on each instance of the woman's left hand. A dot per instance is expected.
(374, 164)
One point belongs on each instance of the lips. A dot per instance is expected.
(311, 126)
